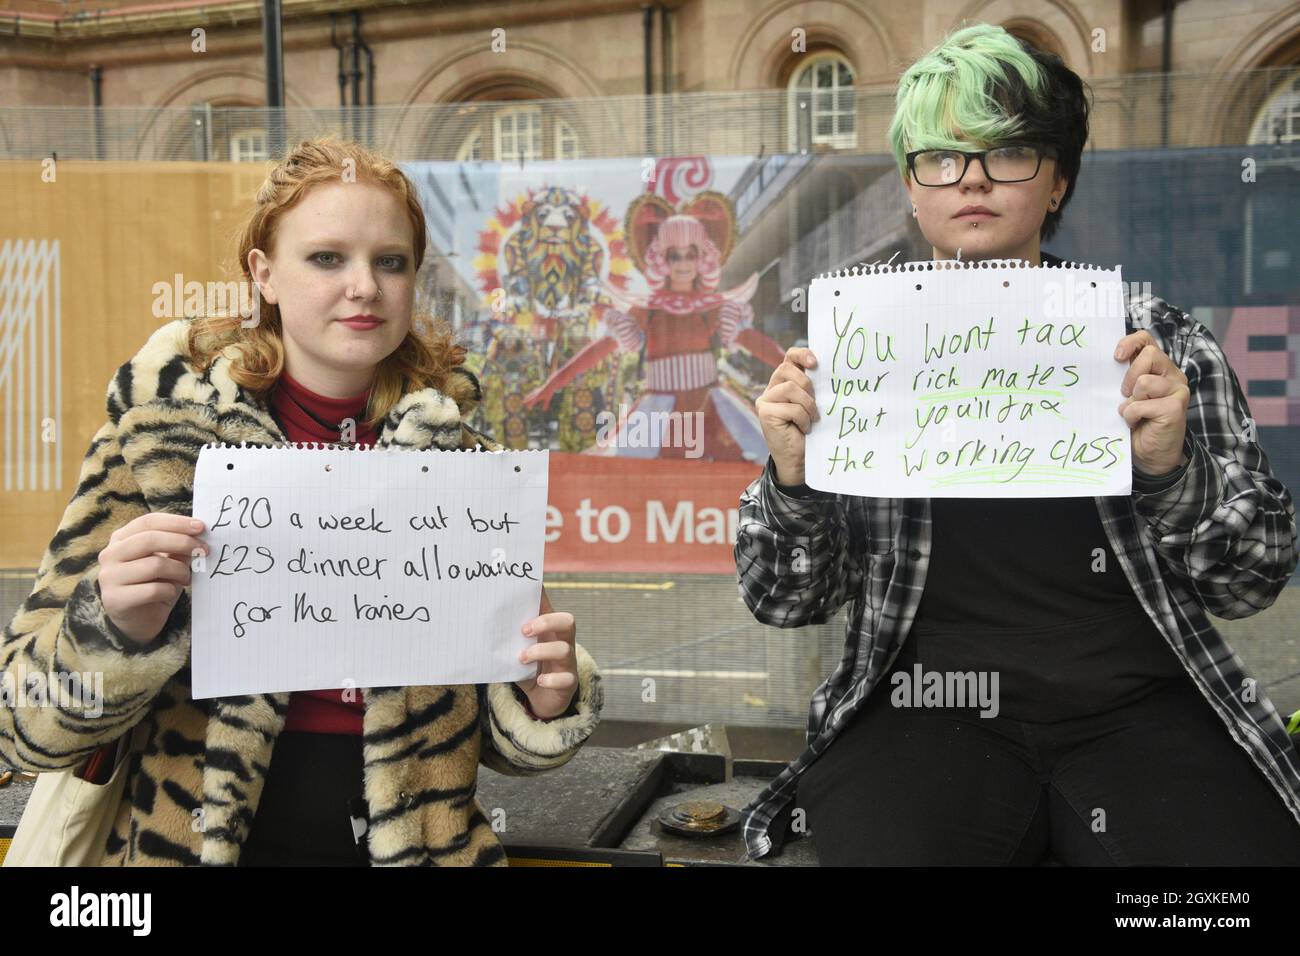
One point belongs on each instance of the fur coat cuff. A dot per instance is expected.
(514, 742)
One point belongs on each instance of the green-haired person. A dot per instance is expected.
(1122, 728)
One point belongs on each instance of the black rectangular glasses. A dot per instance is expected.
(1005, 164)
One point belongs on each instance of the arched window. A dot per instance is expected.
(1279, 120)
(518, 133)
(821, 104)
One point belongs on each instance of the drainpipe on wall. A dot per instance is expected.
(647, 30)
(370, 96)
(343, 80)
(665, 54)
(666, 138)
(354, 79)
(364, 47)
(1166, 61)
(272, 43)
(349, 54)
(97, 102)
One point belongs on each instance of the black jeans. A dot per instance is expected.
(1156, 782)
(303, 815)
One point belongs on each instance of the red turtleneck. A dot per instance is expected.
(320, 711)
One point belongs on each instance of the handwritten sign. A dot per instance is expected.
(993, 379)
(336, 568)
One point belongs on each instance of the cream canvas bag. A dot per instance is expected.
(67, 820)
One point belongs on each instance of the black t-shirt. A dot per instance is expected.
(1031, 588)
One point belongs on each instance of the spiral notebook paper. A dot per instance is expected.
(984, 379)
(352, 568)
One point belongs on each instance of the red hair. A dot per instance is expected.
(424, 359)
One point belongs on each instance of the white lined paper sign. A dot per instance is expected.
(364, 567)
(984, 379)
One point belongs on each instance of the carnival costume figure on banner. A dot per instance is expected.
(544, 259)
(680, 252)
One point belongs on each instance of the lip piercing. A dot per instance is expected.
(1053, 202)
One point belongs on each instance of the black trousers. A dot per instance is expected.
(1158, 782)
(314, 785)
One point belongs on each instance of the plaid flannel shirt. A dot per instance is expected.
(1218, 535)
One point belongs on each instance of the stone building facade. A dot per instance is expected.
(526, 76)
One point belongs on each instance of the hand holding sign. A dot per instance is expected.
(551, 690)
(1156, 406)
(786, 412)
(143, 570)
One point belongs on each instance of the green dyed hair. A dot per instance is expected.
(994, 89)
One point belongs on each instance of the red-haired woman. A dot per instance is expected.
(333, 244)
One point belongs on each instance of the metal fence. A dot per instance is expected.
(1130, 112)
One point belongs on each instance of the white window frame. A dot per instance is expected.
(244, 146)
(838, 138)
(510, 117)
(566, 141)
